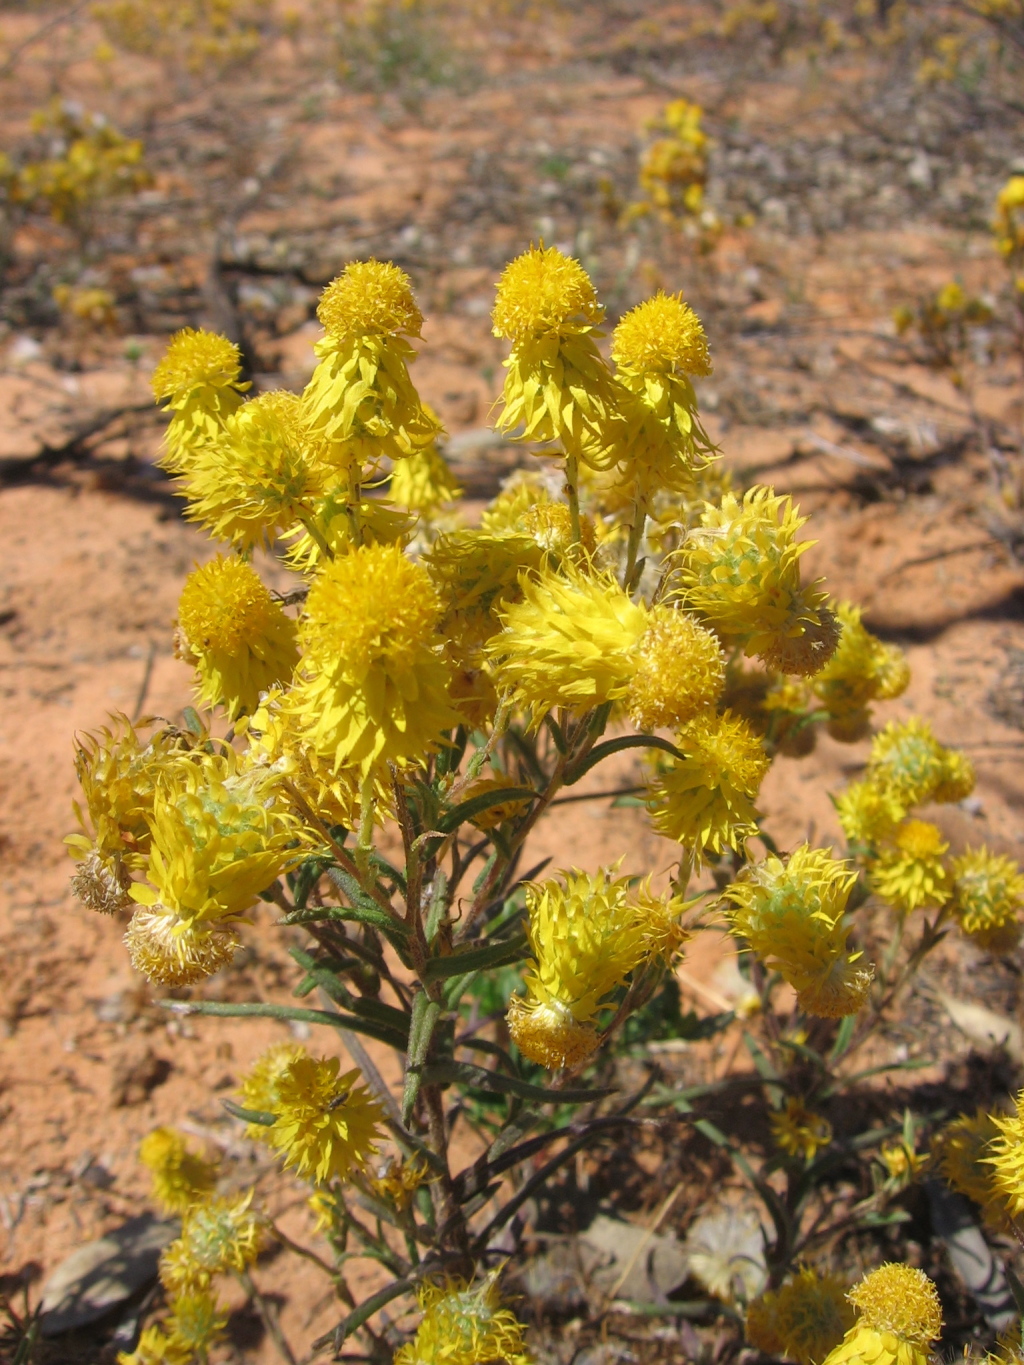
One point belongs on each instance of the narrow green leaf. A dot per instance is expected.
(260, 1116)
(477, 958)
(496, 1082)
(227, 1010)
(614, 746)
(192, 721)
(425, 1014)
(844, 1037)
(363, 1313)
(475, 805)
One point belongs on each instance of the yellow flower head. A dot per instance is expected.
(705, 799)
(988, 893)
(199, 379)
(220, 836)
(570, 642)
(372, 684)
(360, 401)
(1008, 226)
(862, 670)
(961, 1150)
(901, 1300)
(118, 773)
(101, 885)
(740, 570)
(792, 913)
(327, 1125)
(661, 336)
(155, 1348)
(586, 936)
(868, 814)
(235, 633)
(464, 1324)
(423, 482)
(803, 1320)
(910, 873)
(398, 1181)
(258, 477)
(181, 1178)
(1006, 1157)
(259, 1086)
(544, 293)
(909, 761)
(216, 1237)
(196, 1320)
(558, 386)
(369, 298)
(680, 671)
(799, 1131)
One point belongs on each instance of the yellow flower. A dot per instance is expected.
(961, 1150)
(372, 684)
(327, 1125)
(868, 814)
(464, 1324)
(586, 937)
(156, 1348)
(1007, 1160)
(259, 1086)
(792, 914)
(901, 1300)
(235, 633)
(862, 670)
(803, 1320)
(99, 885)
(219, 838)
(705, 800)
(196, 1320)
(907, 760)
(902, 1162)
(198, 378)
(558, 386)
(216, 1237)
(258, 477)
(799, 1131)
(1008, 226)
(910, 872)
(988, 892)
(657, 347)
(360, 400)
(740, 570)
(423, 482)
(679, 671)
(337, 518)
(181, 1178)
(570, 642)
(398, 1181)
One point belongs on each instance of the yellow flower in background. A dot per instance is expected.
(235, 634)
(792, 913)
(258, 477)
(464, 1324)
(423, 482)
(868, 814)
(799, 1131)
(705, 799)
(803, 1320)
(861, 670)
(181, 1177)
(156, 1348)
(740, 570)
(218, 1236)
(199, 378)
(910, 872)
(901, 1161)
(397, 1181)
(327, 1124)
(570, 642)
(988, 894)
(679, 671)
(360, 401)
(586, 936)
(908, 761)
(372, 686)
(558, 386)
(196, 1321)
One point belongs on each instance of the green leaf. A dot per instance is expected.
(227, 1010)
(496, 1082)
(363, 1312)
(260, 1116)
(474, 805)
(614, 746)
(556, 733)
(192, 721)
(844, 1037)
(425, 1014)
(378, 1012)
(477, 959)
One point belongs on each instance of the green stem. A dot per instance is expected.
(636, 534)
(311, 526)
(572, 492)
